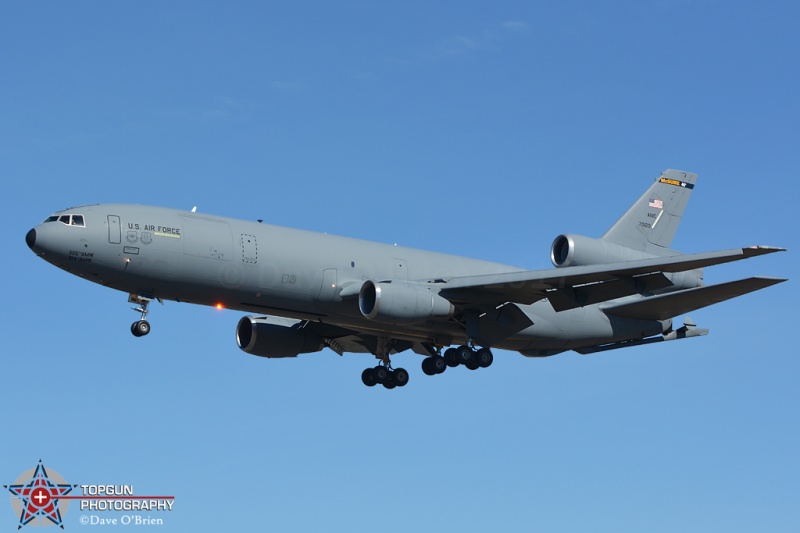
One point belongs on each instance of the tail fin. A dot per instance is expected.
(650, 223)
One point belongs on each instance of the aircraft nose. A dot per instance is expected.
(30, 238)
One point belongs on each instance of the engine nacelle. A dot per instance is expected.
(276, 337)
(402, 302)
(577, 250)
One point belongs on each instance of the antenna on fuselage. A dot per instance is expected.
(194, 209)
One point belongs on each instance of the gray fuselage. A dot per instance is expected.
(265, 269)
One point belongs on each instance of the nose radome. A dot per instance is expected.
(30, 238)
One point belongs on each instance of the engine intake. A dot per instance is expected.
(276, 337)
(402, 302)
(576, 250)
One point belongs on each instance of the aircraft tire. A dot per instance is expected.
(437, 364)
(368, 377)
(472, 364)
(140, 328)
(463, 355)
(389, 383)
(450, 357)
(484, 357)
(381, 374)
(400, 377)
(427, 367)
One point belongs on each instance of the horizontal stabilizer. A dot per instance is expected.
(669, 305)
(526, 287)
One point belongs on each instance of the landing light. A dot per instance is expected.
(219, 306)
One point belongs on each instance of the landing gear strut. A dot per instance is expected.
(141, 327)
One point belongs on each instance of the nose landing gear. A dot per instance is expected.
(141, 327)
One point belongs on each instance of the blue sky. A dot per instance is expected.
(482, 131)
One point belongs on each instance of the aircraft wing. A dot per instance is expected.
(563, 284)
(673, 304)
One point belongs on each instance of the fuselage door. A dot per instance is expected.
(329, 289)
(114, 230)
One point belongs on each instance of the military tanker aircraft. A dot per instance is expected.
(307, 291)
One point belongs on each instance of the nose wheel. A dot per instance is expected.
(141, 327)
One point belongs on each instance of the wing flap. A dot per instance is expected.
(581, 295)
(527, 287)
(673, 304)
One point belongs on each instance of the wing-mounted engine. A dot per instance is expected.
(402, 302)
(577, 250)
(276, 337)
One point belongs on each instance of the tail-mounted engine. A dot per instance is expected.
(577, 250)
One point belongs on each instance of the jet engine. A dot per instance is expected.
(276, 337)
(577, 250)
(402, 302)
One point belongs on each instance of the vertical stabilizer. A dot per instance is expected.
(650, 223)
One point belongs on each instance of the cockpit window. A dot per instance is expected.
(69, 220)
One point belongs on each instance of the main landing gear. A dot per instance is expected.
(385, 375)
(140, 328)
(463, 355)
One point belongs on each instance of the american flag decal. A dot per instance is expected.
(654, 202)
